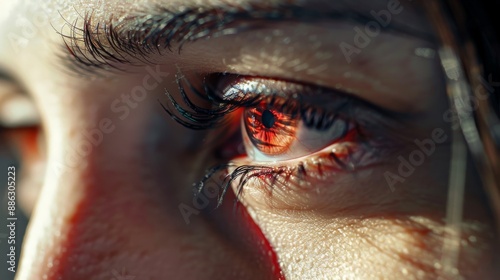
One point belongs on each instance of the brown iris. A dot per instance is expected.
(271, 131)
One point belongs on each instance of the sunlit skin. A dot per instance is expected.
(114, 206)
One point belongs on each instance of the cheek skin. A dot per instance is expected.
(370, 248)
(116, 209)
(360, 229)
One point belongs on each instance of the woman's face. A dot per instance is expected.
(328, 120)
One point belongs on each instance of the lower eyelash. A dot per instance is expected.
(321, 165)
(241, 174)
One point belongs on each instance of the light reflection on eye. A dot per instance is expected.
(279, 130)
(283, 120)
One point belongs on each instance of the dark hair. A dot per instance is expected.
(480, 23)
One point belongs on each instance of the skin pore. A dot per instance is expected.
(112, 203)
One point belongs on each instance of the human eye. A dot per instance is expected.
(280, 128)
(290, 122)
(284, 133)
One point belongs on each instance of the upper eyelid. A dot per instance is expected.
(109, 44)
(309, 94)
(187, 113)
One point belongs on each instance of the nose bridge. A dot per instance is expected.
(63, 198)
(82, 209)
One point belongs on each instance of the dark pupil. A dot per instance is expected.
(268, 119)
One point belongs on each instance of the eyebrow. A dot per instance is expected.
(131, 40)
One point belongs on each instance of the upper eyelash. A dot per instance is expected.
(199, 118)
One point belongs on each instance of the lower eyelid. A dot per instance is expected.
(298, 175)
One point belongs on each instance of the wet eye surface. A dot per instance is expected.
(275, 131)
(271, 131)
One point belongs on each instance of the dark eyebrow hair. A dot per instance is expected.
(131, 40)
